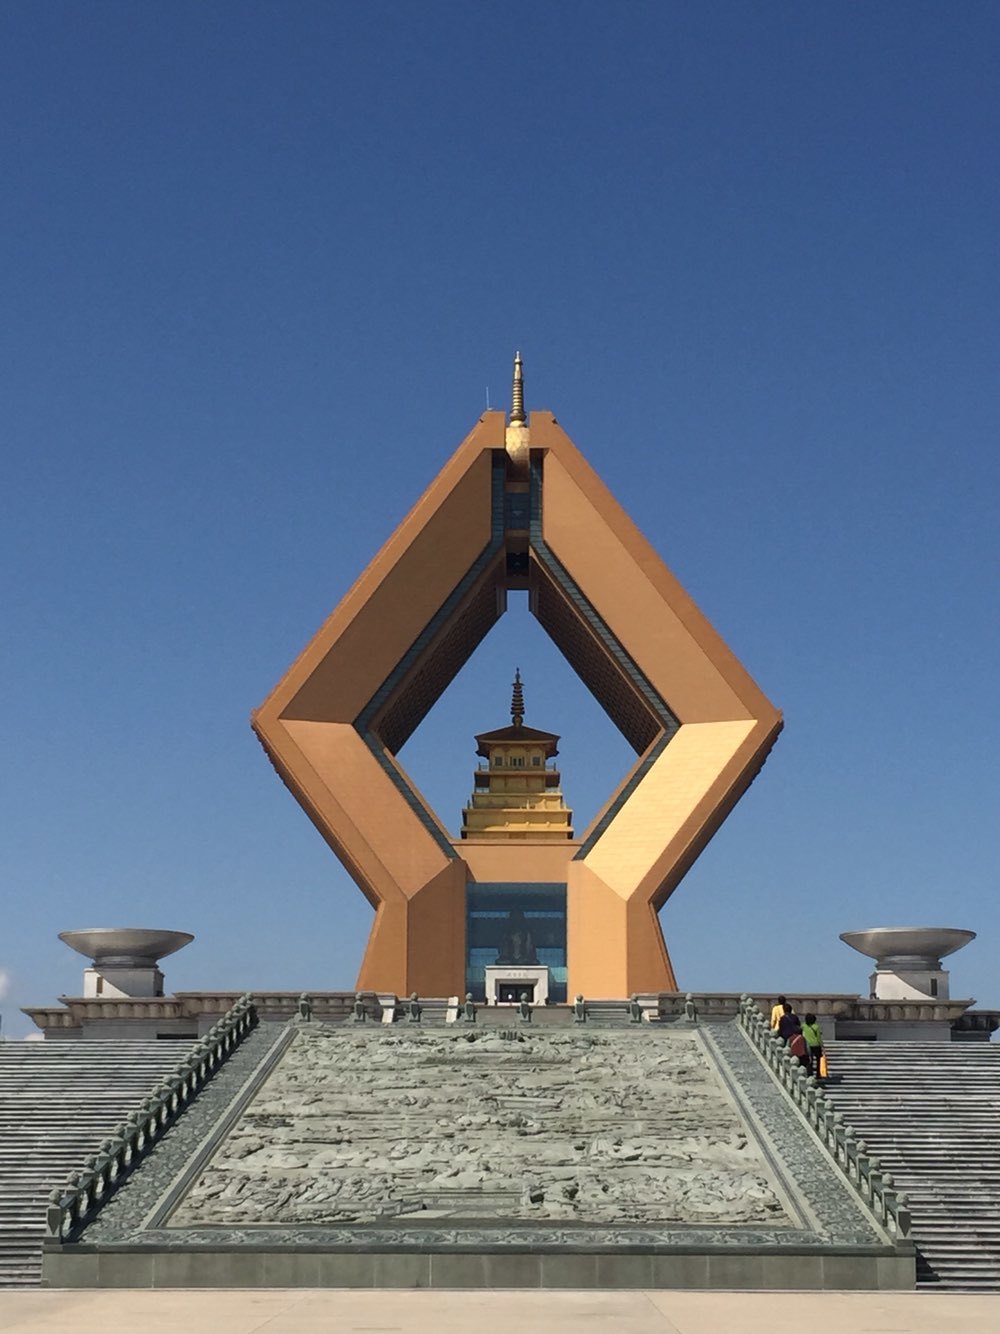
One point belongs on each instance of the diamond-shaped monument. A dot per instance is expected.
(517, 507)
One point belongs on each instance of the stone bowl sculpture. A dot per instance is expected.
(896, 947)
(125, 946)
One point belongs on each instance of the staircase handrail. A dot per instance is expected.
(875, 1187)
(86, 1190)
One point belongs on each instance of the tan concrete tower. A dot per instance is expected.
(516, 793)
(517, 507)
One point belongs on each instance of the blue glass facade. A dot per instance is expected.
(526, 921)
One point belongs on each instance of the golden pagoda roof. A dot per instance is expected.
(517, 732)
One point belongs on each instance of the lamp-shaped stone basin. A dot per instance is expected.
(125, 946)
(908, 947)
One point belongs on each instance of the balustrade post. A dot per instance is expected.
(812, 1097)
(76, 1207)
(121, 1141)
(88, 1183)
(54, 1215)
(150, 1125)
(838, 1136)
(153, 1116)
(830, 1115)
(168, 1096)
(788, 1067)
(850, 1144)
(864, 1166)
(106, 1167)
(131, 1135)
(851, 1155)
(903, 1218)
(802, 1088)
(888, 1197)
(877, 1178)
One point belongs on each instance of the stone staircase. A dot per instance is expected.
(931, 1112)
(58, 1101)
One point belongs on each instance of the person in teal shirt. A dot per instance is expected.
(814, 1042)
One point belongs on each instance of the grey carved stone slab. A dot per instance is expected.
(379, 1139)
(357, 1126)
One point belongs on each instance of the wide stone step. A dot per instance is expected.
(951, 1236)
(955, 1213)
(57, 1104)
(961, 1271)
(926, 1135)
(978, 1249)
(959, 1207)
(947, 1151)
(938, 1100)
(929, 1113)
(945, 1087)
(978, 1078)
(900, 1120)
(969, 1167)
(926, 1098)
(842, 1077)
(930, 1156)
(961, 1274)
(971, 1285)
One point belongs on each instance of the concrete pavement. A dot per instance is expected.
(303, 1311)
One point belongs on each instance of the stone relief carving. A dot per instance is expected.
(357, 1125)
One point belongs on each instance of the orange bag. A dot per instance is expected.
(822, 1065)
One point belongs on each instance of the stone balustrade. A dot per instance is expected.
(875, 1186)
(194, 1010)
(86, 1190)
(834, 1006)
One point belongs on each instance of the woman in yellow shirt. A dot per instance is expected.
(777, 1011)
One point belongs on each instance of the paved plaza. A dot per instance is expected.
(343, 1312)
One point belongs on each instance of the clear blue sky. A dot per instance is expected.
(260, 262)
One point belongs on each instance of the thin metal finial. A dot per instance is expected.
(517, 700)
(517, 397)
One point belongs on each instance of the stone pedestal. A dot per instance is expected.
(115, 983)
(914, 982)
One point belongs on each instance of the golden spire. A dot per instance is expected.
(517, 700)
(517, 397)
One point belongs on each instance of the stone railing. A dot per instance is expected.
(975, 1021)
(850, 1154)
(188, 1011)
(85, 1191)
